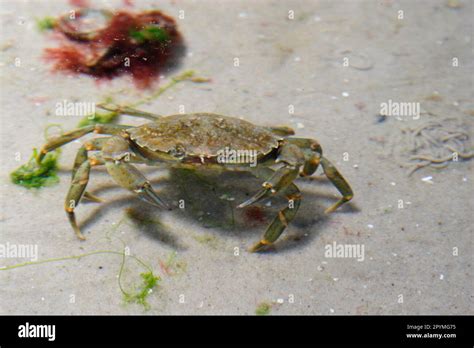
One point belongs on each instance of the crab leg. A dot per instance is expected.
(292, 158)
(339, 182)
(80, 178)
(129, 177)
(280, 179)
(284, 217)
(82, 156)
(282, 130)
(76, 134)
(82, 165)
(314, 157)
(75, 193)
(312, 152)
(125, 110)
(125, 174)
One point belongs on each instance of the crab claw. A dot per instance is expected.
(263, 193)
(262, 245)
(147, 194)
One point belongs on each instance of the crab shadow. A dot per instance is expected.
(140, 215)
(209, 200)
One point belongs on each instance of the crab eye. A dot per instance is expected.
(178, 151)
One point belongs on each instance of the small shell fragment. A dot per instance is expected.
(428, 179)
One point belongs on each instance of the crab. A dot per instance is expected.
(197, 140)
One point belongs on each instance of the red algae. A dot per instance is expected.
(106, 44)
(79, 3)
(255, 214)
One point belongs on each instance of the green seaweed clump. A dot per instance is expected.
(140, 297)
(102, 118)
(149, 33)
(263, 308)
(34, 175)
(47, 23)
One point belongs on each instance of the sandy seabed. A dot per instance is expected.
(413, 233)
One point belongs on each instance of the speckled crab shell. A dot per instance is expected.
(203, 135)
